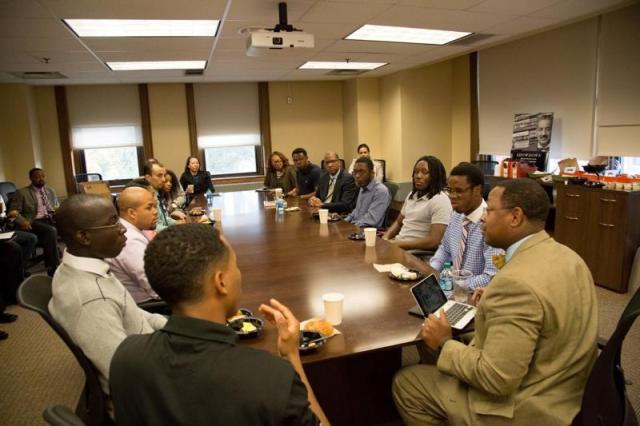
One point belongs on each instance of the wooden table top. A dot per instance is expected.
(295, 259)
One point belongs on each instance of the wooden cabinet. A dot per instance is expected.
(603, 227)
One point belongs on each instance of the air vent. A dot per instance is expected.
(191, 73)
(346, 73)
(470, 39)
(38, 75)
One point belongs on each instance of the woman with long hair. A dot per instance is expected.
(172, 194)
(279, 173)
(426, 210)
(195, 181)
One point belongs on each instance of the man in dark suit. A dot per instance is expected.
(336, 188)
(34, 210)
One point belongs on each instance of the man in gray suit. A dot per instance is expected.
(33, 208)
(535, 330)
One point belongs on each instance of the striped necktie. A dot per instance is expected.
(457, 263)
(332, 184)
(46, 202)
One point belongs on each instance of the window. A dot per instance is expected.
(228, 120)
(631, 165)
(106, 132)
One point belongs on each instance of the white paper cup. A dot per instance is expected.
(217, 214)
(278, 192)
(370, 236)
(333, 307)
(324, 215)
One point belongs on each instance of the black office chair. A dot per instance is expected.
(7, 189)
(605, 400)
(384, 168)
(60, 415)
(34, 294)
(393, 190)
(488, 169)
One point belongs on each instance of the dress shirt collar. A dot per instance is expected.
(475, 215)
(131, 227)
(513, 247)
(200, 329)
(336, 175)
(370, 185)
(87, 264)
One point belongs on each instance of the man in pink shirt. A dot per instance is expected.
(138, 212)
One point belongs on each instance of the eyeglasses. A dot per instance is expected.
(487, 209)
(92, 228)
(456, 192)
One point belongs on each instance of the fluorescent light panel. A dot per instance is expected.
(157, 65)
(405, 34)
(143, 27)
(341, 65)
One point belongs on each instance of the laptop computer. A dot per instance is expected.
(431, 299)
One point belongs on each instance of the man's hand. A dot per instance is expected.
(436, 331)
(24, 225)
(287, 324)
(477, 294)
(315, 202)
(293, 193)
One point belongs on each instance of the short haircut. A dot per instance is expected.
(472, 172)
(437, 176)
(366, 161)
(178, 258)
(528, 195)
(35, 169)
(363, 145)
(138, 182)
(74, 214)
(148, 167)
(299, 151)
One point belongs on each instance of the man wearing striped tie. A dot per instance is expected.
(337, 190)
(463, 243)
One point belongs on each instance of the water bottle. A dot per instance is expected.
(209, 197)
(446, 280)
(280, 205)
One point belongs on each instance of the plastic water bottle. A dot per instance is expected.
(209, 196)
(446, 280)
(280, 205)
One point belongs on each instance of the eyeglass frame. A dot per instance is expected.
(92, 228)
(447, 190)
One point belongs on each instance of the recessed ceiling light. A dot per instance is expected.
(405, 34)
(156, 65)
(340, 65)
(143, 27)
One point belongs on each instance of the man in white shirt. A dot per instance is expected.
(138, 212)
(88, 301)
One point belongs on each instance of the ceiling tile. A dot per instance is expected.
(343, 13)
(454, 20)
(523, 24)
(353, 46)
(571, 9)
(515, 7)
(441, 4)
(33, 27)
(22, 9)
(265, 12)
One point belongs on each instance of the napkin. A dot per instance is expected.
(388, 267)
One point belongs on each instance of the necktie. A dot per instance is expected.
(457, 263)
(45, 201)
(332, 184)
(498, 260)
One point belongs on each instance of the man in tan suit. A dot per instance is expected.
(536, 329)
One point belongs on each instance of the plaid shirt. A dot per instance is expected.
(478, 256)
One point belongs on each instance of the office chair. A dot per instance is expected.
(384, 169)
(34, 294)
(7, 189)
(605, 400)
(393, 190)
(60, 415)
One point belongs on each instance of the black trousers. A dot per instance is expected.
(12, 267)
(48, 238)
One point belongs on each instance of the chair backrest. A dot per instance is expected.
(393, 190)
(95, 187)
(383, 163)
(487, 167)
(7, 189)
(35, 293)
(605, 400)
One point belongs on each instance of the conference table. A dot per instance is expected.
(295, 259)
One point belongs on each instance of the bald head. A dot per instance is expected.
(78, 212)
(138, 207)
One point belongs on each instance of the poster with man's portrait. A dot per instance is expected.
(531, 138)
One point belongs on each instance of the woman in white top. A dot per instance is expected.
(426, 210)
(378, 170)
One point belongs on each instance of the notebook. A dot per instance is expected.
(431, 299)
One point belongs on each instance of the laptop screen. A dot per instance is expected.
(429, 295)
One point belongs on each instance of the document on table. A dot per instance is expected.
(387, 267)
(6, 235)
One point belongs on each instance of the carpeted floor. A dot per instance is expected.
(37, 370)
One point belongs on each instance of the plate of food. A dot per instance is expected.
(196, 211)
(405, 274)
(246, 327)
(357, 236)
(311, 341)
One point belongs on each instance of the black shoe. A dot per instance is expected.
(6, 318)
(3, 335)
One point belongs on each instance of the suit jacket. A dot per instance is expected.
(26, 203)
(535, 340)
(204, 182)
(345, 192)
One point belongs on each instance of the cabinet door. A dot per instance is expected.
(572, 218)
(607, 238)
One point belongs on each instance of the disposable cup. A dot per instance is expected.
(370, 236)
(333, 307)
(324, 215)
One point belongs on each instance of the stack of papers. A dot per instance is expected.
(6, 235)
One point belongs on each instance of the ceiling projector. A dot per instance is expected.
(282, 36)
